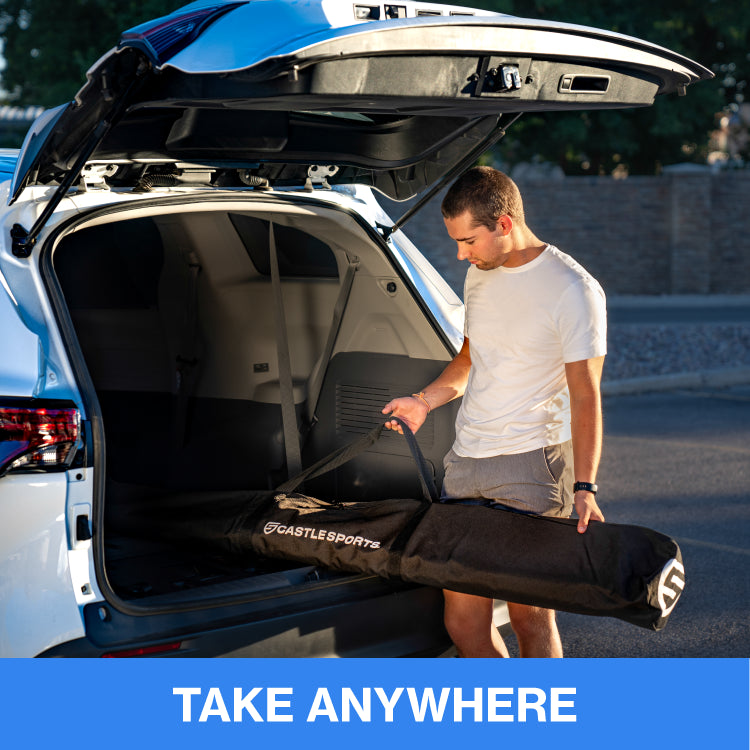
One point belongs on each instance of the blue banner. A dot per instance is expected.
(375, 703)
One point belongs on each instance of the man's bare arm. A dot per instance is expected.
(449, 385)
(584, 383)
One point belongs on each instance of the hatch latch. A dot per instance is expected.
(21, 242)
(502, 78)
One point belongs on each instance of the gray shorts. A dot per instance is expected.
(540, 481)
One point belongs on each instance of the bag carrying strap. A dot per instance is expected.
(347, 452)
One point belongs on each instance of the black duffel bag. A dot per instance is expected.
(628, 572)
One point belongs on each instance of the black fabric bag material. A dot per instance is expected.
(629, 572)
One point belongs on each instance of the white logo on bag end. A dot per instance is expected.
(671, 583)
(323, 535)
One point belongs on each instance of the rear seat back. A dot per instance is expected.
(356, 387)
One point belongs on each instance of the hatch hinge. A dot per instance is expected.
(318, 175)
(94, 176)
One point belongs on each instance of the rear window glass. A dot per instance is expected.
(299, 253)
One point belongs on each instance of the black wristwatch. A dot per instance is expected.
(586, 486)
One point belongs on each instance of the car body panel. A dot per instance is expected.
(32, 331)
(19, 348)
(38, 606)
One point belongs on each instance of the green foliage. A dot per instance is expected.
(50, 44)
(715, 33)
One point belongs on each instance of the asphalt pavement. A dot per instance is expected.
(679, 309)
(679, 463)
(661, 343)
(676, 458)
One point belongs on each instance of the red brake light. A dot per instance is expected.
(129, 653)
(33, 438)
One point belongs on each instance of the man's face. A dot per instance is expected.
(484, 248)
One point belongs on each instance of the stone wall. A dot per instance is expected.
(684, 233)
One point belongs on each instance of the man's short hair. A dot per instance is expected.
(487, 194)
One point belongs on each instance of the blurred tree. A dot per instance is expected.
(715, 33)
(50, 44)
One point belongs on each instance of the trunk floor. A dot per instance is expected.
(138, 569)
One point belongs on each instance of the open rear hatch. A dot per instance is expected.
(269, 90)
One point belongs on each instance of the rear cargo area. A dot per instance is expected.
(176, 333)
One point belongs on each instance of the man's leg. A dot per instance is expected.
(539, 482)
(468, 620)
(536, 631)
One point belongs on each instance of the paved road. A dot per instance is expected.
(619, 316)
(680, 463)
(662, 311)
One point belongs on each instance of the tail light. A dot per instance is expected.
(167, 36)
(38, 436)
(130, 653)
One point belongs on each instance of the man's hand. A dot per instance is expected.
(587, 509)
(413, 411)
(450, 384)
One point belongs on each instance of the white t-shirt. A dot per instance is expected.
(523, 325)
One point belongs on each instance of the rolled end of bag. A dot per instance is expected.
(665, 589)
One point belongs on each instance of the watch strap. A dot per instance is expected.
(586, 487)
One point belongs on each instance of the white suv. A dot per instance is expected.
(142, 355)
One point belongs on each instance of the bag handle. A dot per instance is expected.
(340, 456)
(424, 471)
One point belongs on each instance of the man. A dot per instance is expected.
(529, 429)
